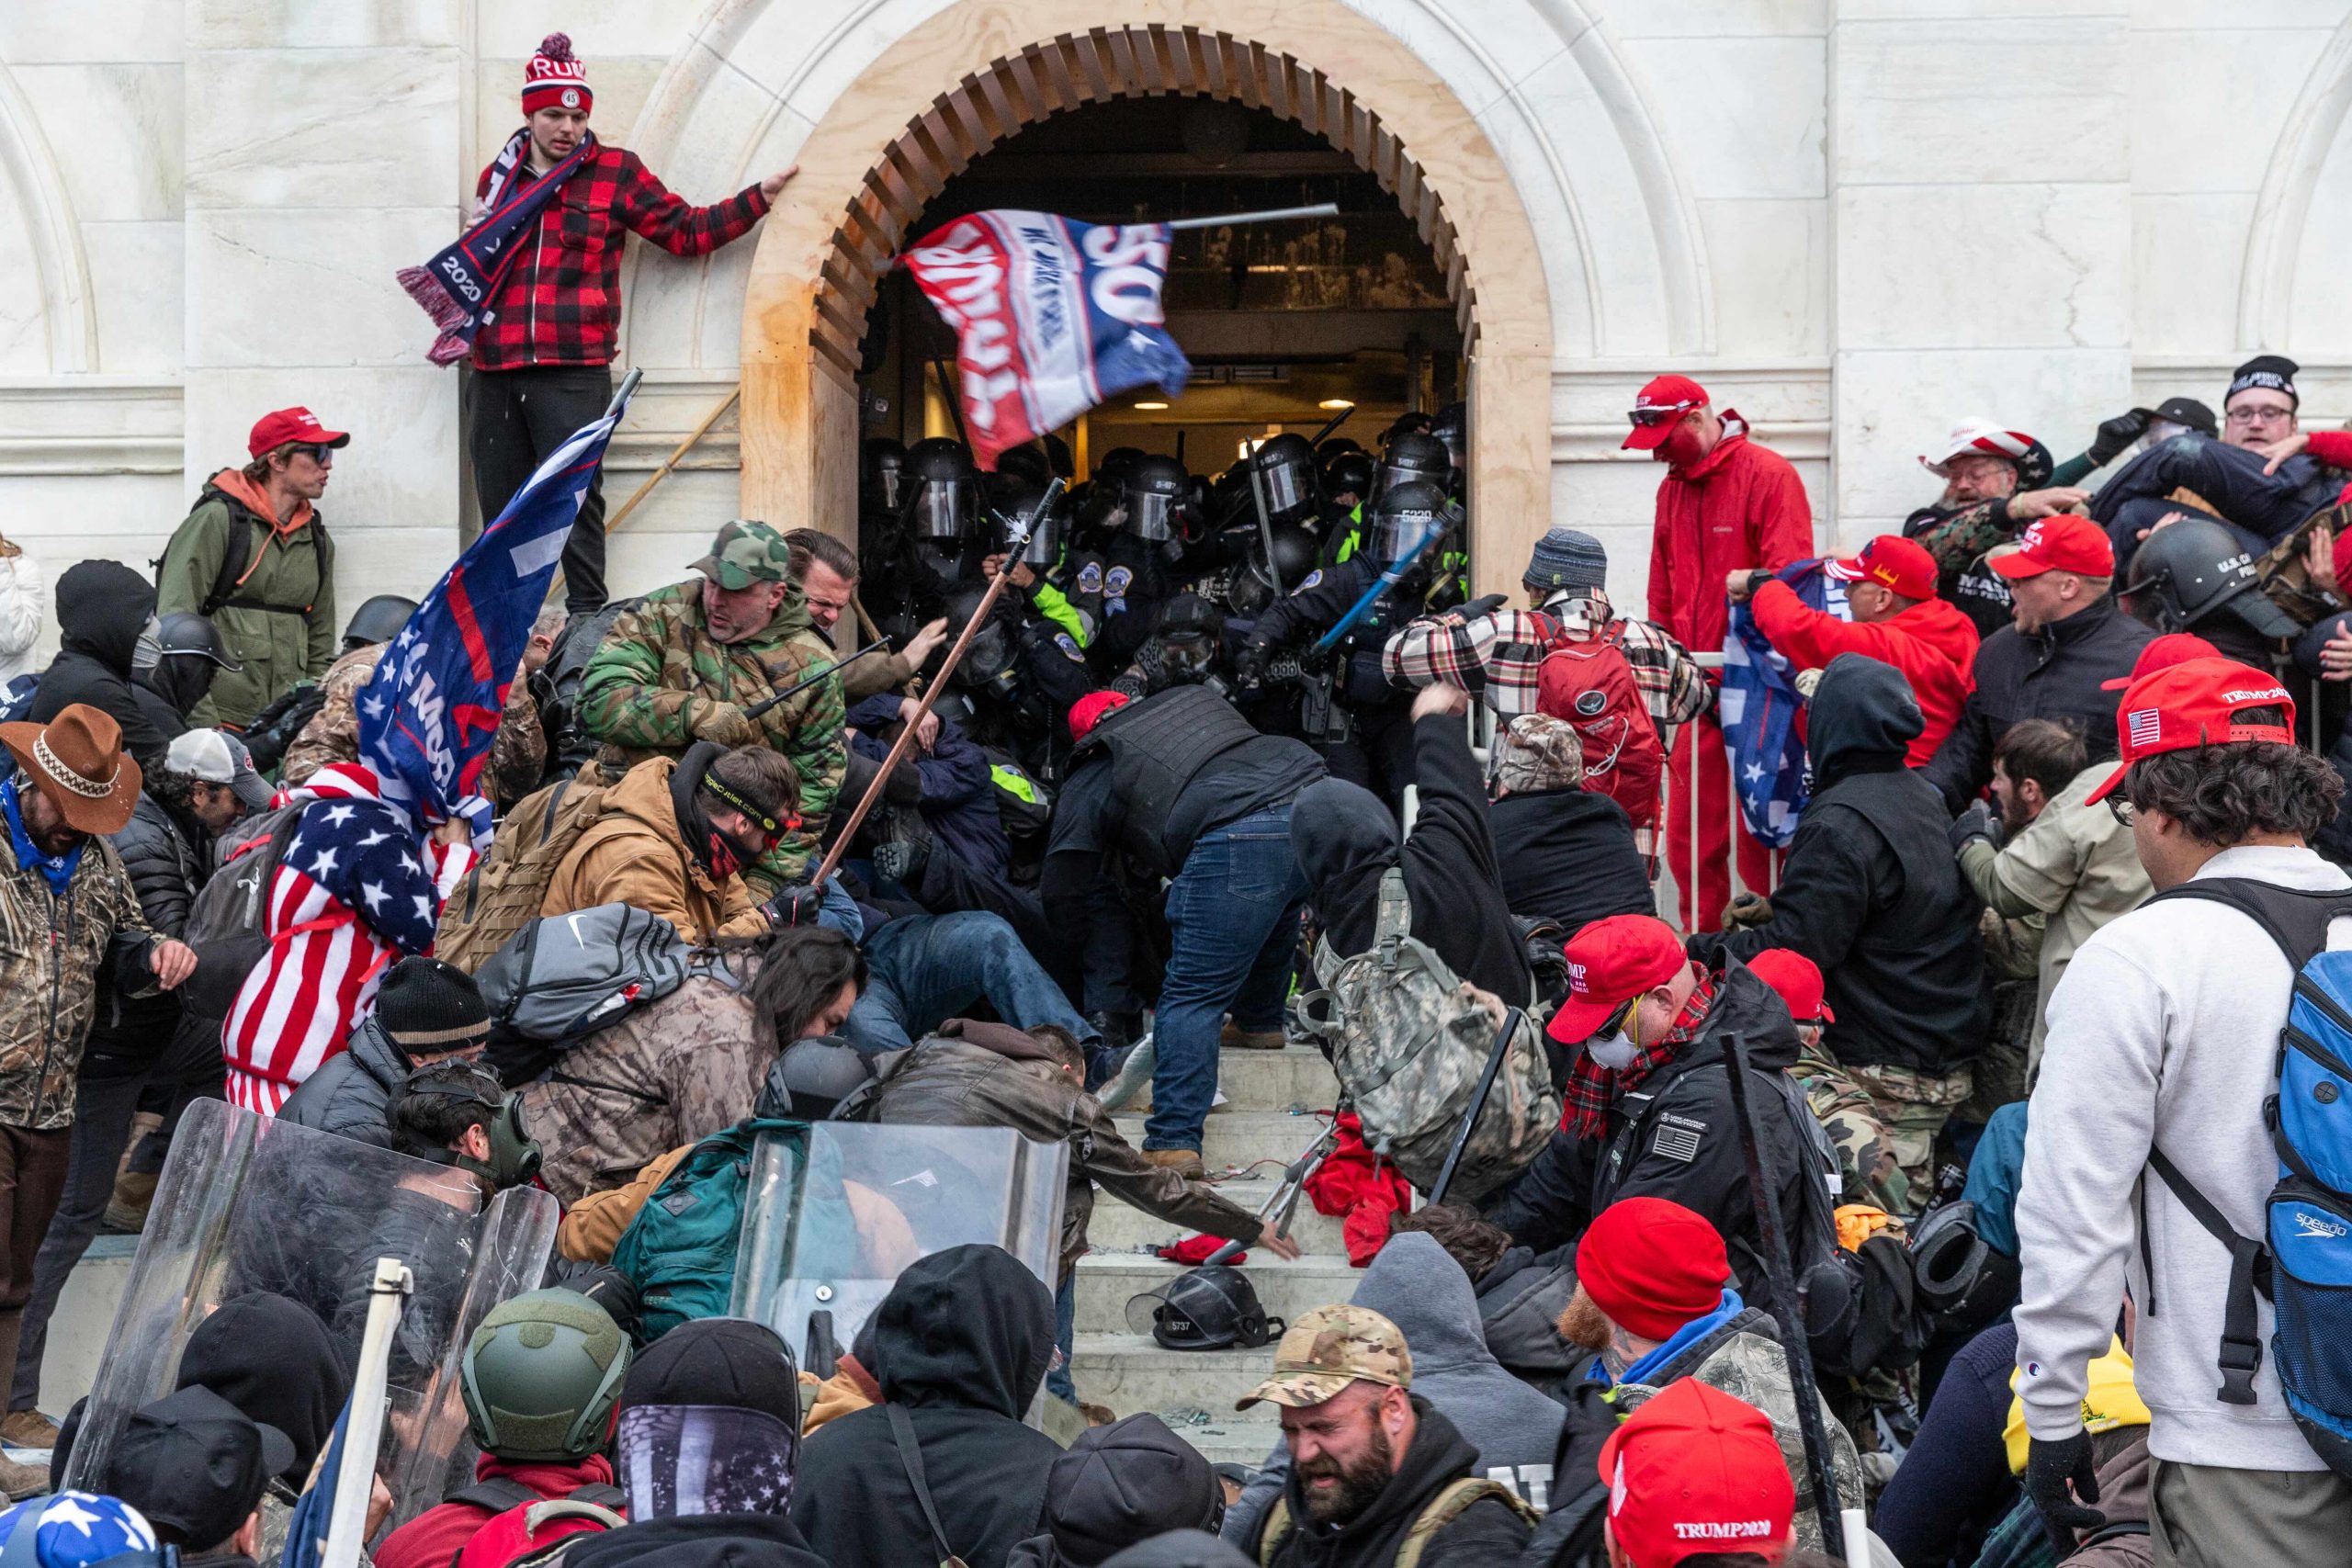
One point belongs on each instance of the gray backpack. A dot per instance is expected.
(1409, 1041)
(562, 978)
(228, 921)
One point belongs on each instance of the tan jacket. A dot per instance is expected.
(689, 1065)
(52, 952)
(635, 854)
(519, 752)
(593, 1225)
(2074, 864)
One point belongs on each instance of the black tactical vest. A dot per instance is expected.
(1157, 746)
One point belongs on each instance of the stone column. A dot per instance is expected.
(324, 153)
(1979, 171)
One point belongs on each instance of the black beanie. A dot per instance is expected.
(429, 1006)
(2274, 371)
(717, 1360)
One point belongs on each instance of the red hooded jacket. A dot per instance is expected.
(1933, 644)
(1740, 505)
(434, 1537)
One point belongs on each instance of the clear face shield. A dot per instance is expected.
(889, 483)
(1395, 533)
(943, 509)
(1043, 547)
(1289, 490)
(1151, 516)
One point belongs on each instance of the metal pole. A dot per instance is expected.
(1271, 215)
(1265, 522)
(938, 685)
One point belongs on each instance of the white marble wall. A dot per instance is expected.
(1855, 220)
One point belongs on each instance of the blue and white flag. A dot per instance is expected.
(306, 1532)
(1758, 711)
(1051, 316)
(428, 713)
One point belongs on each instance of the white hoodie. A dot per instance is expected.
(2164, 1032)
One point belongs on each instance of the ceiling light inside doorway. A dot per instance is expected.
(1333, 405)
(1149, 407)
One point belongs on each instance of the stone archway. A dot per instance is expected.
(970, 76)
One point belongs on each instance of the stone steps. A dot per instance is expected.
(1117, 1227)
(1237, 1135)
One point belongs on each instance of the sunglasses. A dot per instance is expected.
(1644, 418)
(1616, 1022)
(319, 453)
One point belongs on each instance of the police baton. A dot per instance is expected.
(939, 683)
(807, 680)
(1781, 1273)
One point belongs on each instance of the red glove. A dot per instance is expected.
(1193, 1251)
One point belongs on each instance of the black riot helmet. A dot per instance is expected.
(1409, 458)
(1025, 465)
(1254, 586)
(1044, 544)
(1402, 516)
(2186, 572)
(1960, 1279)
(1110, 473)
(1350, 473)
(1192, 634)
(884, 474)
(1452, 426)
(1204, 1309)
(943, 492)
(176, 656)
(1158, 492)
(1285, 470)
(989, 661)
(379, 620)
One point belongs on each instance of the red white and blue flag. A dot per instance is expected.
(1052, 317)
(430, 709)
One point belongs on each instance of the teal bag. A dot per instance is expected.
(680, 1249)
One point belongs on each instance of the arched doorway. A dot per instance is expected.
(1317, 63)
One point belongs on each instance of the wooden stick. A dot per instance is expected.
(670, 463)
(939, 684)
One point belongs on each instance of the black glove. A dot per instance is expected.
(1976, 823)
(2115, 434)
(793, 907)
(1486, 606)
(1249, 668)
(2048, 1467)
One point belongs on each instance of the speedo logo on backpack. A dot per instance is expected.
(2320, 1227)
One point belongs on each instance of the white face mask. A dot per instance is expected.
(1616, 1053)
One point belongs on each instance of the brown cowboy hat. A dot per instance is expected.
(76, 760)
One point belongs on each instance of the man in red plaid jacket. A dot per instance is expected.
(541, 361)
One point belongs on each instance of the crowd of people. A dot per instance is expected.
(1973, 1163)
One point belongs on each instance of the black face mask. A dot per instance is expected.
(1187, 659)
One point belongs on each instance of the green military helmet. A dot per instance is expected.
(542, 1376)
(746, 551)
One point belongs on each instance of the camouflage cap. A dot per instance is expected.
(1538, 751)
(745, 552)
(1328, 1348)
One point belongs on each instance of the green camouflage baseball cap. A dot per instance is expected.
(1328, 1348)
(745, 552)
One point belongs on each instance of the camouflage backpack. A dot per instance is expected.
(502, 894)
(1409, 1041)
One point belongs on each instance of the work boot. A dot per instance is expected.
(28, 1430)
(1236, 1038)
(134, 1193)
(1185, 1162)
(18, 1481)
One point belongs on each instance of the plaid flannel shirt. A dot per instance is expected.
(560, 304)
(1592, 1089)
(1494, 656)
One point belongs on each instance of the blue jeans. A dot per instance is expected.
(1058, 1381)
(1233, 911)
(925, 969)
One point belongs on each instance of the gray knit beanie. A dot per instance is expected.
(1565, 558)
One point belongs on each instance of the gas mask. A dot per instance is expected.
(514, 1156)
(1187, 660)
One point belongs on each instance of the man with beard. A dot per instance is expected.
(1654, 1303)
(1725, 504)
(1996, 481)
(1370, 1463)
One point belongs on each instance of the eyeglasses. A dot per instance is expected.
(2121, 810)
(1644, 418)
(2257, 414)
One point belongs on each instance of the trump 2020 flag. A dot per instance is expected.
(1758, 711)
(1051, 317)
(430, 709)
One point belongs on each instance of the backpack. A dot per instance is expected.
(565, 976)
(680, 1249)
(228, 921)
(526, 1528)
(1442, 1510)
(2305, 1268)
(1409, 1042)
(503, 893)
(569, 745)
(1585, 682)
(280, 723)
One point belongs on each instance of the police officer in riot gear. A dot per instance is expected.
(1187, 649)
(1452, 427)
(1409, 457)
(1259, 580)
(2197, 576)
(1138, 562)
(911, 558)
(1359, 722)
(881, 478)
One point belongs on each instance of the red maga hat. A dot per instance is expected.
(1609, 961)
(1693, 1471)
(2063, 542)
(272, 430)
(1796, 979)
(1659, 409)
(1892, 561)
(2162, 653)
(2193, 705)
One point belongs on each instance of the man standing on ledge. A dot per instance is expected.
(1725, 505)
(540, 361)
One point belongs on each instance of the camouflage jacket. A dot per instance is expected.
(659, 666)
(517, 752)
(664, 1075)
(1743, 1359)
(51, 951)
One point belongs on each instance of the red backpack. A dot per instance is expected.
(1585, 680)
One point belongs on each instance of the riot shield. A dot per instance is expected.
(247, 1203)
(835, 1212)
